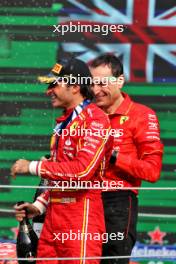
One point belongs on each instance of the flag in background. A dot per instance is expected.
(147, 46)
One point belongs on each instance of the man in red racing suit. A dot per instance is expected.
(79, 159)
(138, 146)
(137, 155)
(74, 223)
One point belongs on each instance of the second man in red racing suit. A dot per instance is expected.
(137, 155)
(137, 142)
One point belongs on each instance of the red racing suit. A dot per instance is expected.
(139, 157)
(137, 140)
(77, 157)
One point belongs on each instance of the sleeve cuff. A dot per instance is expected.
(34, 167)
(40, 207)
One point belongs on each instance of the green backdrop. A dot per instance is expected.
(27, 50)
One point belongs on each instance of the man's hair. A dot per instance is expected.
(110, 60)
(85, 90)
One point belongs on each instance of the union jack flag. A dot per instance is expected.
(147, 46)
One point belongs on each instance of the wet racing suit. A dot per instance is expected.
(77, 158)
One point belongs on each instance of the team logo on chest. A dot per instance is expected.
(74, 125)
(123, 119)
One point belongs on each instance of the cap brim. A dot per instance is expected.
(50, 78)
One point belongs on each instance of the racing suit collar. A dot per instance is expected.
(65, 115)
(74, 111)
(124, 106)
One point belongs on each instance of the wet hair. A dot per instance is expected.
(110, 60)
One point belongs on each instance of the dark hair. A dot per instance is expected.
(86, 91)
(111, 60)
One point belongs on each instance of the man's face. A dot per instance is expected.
(107, 89)
(61, 95)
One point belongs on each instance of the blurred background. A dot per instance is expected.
(29, 48)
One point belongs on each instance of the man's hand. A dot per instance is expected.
(20, 166)
(20, 213)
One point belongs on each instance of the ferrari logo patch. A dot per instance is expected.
(74, 125)
(57, 68)
(123, 119)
